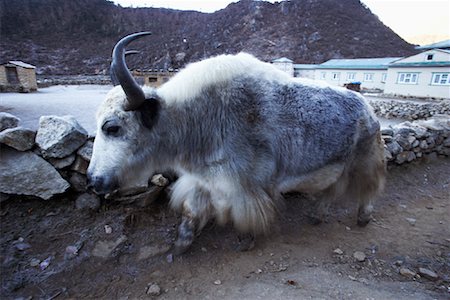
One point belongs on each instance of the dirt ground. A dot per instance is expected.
(50, 250)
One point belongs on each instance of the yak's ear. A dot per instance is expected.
(149, 112)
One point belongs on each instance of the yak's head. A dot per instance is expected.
(124, 120)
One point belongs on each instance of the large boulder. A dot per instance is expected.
(25, 173)
(59, 136)
(8, 121)
(19, 138)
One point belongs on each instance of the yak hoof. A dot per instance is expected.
(364, 215)
(181, 246)
(246, 242)
(363, 219)
(186, 235)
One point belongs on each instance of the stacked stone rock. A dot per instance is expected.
(409, 110)
(51, 161)
(408, 141)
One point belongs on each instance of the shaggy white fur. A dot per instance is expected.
(190, 82)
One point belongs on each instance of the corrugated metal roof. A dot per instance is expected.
(305, 66)
(358, 63)
(283, 60)
(442, 44)
(21, 64)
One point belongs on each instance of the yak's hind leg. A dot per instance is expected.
(367, 175)
(322, 200)
(321, 186)
(317, 212)
(362, 182)
(195, 204)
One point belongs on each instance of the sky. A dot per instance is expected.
(416, 21)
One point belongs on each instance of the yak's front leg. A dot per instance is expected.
(196, 213)
(186, 233)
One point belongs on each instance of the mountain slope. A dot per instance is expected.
(76, 36)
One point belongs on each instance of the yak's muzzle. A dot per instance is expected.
(101, 184)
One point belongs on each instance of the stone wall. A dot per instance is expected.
(409, 141)
(51, 161)
(27, 78)
(390, 109)
(54, 159)
(50, 80)
(3, 78)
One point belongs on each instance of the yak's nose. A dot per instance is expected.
(101, 185)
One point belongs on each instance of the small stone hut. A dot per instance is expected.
(17, 76)
(153, 78)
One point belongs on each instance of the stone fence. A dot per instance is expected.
(408, 110)
(54, 159)
(409, 141)
(51, 161)
(49, 80)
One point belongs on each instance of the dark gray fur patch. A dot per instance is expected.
(149, 112)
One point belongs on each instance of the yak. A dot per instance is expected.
(239, 133)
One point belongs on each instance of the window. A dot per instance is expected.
(383, 77)
(429, 56)
(407, 78)
(368, 76)
(351, 76)
(323, 75)
(440, 79)
(335, 76)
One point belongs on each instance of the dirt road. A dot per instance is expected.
(50, 250)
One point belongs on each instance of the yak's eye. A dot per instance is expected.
(111, 128)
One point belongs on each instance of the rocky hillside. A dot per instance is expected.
(76, 36)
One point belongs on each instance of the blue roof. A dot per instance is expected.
(305, 66)
(358, 63)
(442, 44)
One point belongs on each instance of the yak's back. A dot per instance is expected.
(318, 124)
(192, 81)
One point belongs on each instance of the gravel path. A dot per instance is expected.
(80, 101)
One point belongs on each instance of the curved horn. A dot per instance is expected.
(114, 80)
(135, 94)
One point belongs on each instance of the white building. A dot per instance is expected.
(426, 74)
(284, 64)
(370, 72)
(305, 70)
